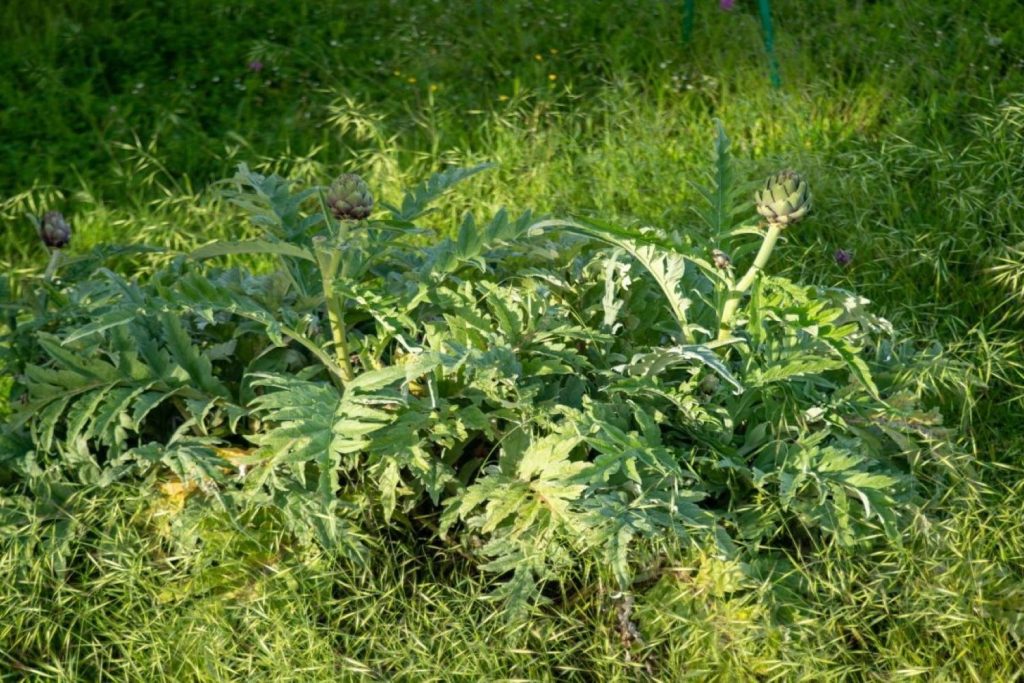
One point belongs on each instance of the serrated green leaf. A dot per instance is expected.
(469, 238)
(547, 456)
(377, 379)
(190, 358)
(868, 480)
(106, 321)
(215, 249)
(416, 200)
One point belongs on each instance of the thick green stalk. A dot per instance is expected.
(43, 295)
(741, 287)
(329, 264)
(51, 267)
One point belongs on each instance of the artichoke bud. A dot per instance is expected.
(784, 199)
(349, 197)
(721, 259)
(54, 230)
(709, 384)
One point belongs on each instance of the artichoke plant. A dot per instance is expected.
(54, 230)
(784, 199)
(349, 197)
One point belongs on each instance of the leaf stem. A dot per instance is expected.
(334, 368)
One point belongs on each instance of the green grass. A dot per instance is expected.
(121, 604)
(908, 118)
(108, 597)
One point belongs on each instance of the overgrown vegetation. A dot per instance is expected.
(812, 493)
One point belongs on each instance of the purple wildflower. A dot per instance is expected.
(843, 257)
(728, 5)
(255, 66)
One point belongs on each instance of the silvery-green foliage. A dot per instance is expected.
(534, 390)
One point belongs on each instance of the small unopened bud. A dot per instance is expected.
(349, 197)
(54, 230)
(312, 321)
(721, 259)
(843, 257)
(709, 384)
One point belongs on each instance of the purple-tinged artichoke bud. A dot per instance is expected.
(349, 198)
(784, 199)
(721, 259)
(54, 230)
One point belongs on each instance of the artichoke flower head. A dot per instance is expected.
(54, 230)
(784, 198)
(349, 197)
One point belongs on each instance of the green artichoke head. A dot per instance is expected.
(54, 230)
(784, 198)
(349, 197)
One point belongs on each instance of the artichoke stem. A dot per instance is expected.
(51, 267)
(741, 287)
(338, 332)
(335, 311)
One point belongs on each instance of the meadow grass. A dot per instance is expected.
(908, 119)
(104, 597)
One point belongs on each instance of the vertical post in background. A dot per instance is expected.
(769, 41)
(687, 20)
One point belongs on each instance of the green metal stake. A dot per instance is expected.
(687, 20)
(769, 40)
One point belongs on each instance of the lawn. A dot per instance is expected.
(905, 117)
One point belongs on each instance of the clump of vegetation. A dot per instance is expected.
(535, 390)
(908, 128)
